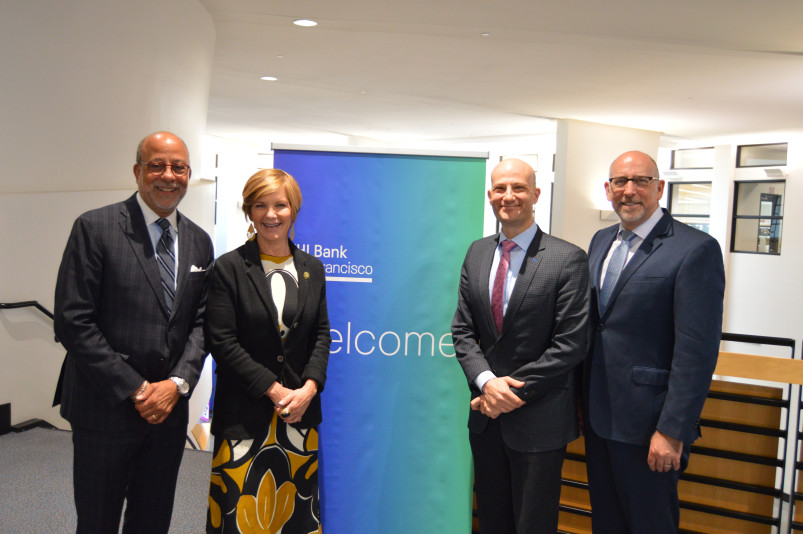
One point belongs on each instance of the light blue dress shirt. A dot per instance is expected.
(517, 256)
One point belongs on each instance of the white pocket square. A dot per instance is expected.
(196, 269)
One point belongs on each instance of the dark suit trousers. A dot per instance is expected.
(517, 492)
(626, 497)
(139, 467)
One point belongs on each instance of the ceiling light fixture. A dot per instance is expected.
(306, 23)
(269, 78)
(485, 34)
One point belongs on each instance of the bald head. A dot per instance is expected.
(634, 157)
(165, 137)
(516, 166)
(513, 195)
(160, 187)
(636, 200)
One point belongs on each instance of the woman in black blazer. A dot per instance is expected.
(268, 330)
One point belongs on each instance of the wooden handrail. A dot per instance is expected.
(770, 368)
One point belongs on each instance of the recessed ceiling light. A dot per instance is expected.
(305, 23)
(485, 34)
(269, 78)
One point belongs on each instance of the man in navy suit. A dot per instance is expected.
(520, 360)
(134, 341)
(654, 338)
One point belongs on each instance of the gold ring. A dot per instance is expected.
(285, 413)
(153, 417)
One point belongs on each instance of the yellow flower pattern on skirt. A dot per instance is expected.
(267, 485)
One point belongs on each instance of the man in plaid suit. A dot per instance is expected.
(134, 341)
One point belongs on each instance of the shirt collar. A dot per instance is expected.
(644, 229)
(151, 216)
(524, 239)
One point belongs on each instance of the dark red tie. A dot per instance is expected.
(498, 294)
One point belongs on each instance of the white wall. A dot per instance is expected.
(763, 292)
(584, 155)
(30, 357)
(83, 82)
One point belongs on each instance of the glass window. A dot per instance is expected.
(761, 155)
(758, 217)
(693, 158)
(690, 203)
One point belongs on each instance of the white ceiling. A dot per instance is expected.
(420, 71)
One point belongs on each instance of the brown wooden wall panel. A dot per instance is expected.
(714, 524)
(729, 499)
(726, 386)
(743, 413)
(736, 471)
(699, 464)
(577, 446)
(574, 523)
(574, 497)
(573, 470)
(741, 442)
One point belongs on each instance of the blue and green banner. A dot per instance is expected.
(392, 231)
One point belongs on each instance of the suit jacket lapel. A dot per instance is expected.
(185, 256)
(303, 281)
(256, 274)
(598, 259)
(484, 280)
(652, 243)
(602, 252)
(526, 276)
(132, 223)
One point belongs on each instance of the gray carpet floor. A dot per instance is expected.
(36, 485)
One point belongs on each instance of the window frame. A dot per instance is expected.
(672, 163)
(739, 156)
(689, 215)
(773, 218)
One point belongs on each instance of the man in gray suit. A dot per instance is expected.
(130, 299)
(520, 333)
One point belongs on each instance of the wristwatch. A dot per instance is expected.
(182, 386)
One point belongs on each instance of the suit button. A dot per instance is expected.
(280, 358)
(600, 327)
(295, 325)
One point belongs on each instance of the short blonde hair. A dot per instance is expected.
(267, 181)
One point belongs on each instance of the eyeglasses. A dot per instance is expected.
(641, 182)
(157, 168)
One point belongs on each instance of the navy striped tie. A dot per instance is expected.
(167, 262)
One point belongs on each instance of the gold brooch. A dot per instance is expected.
(306, 275)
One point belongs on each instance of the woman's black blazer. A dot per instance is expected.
(243, 336)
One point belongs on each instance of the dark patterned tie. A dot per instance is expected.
(167, 262)
(498, 294)
(615, 266)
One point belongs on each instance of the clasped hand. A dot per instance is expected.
(497, 397)
(156, 401)
(292, 401)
